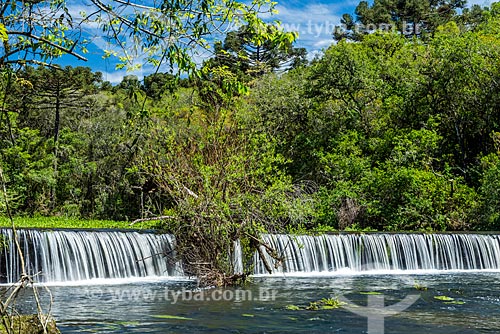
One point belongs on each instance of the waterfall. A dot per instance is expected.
(64, 255)
(61, 256)
(364, 252)
(237, 257)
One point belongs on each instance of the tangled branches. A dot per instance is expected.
(12, 322)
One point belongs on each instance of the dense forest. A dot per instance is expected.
(393, 128)
(385, 130)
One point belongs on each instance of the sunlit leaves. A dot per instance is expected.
(38, 31)
(251, 52)
(3, 33)
(173, 32)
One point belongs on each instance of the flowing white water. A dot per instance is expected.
(237, 258)
(62, 256)
(380, 252)
(91, 256)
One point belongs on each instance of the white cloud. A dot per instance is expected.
(482, 3)
(115, 77)
(314, 22)
(314, 54)
(323, 43)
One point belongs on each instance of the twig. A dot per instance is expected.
(156, 254)
(44, 319)
(262, 243)
(44, 40)
(24, 280)
(150, 219)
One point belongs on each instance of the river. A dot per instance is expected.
(448, 302)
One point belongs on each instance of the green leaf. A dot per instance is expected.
(444, 298)
(128, 323)
(173, 317)
(3, 33)
(455, 302)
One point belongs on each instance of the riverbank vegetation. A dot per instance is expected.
(383, 131)
(29, 324)
(55, 222)
(391, 132)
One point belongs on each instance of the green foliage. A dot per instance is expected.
(489, 192)
(402, 193)
(444, 298)
(371, 293)
(412, 18)
(171, 317)
(48, 36)
(416, 200)
(27, 167)
(390, 145)
(3, 33)
(280, 109)
(387, 133)
(330, 303)
(164, 32)
(222, 177)
(159, 84)
(419, 287)
(28, 324)
(71, 223)
(250, 52)
(323, 304)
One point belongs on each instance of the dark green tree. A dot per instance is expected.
(472, 17)
(252, 53)
(53, 92)
(158, 84)
(409, 17)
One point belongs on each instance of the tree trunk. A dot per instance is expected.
(57, 124)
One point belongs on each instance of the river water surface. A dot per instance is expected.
(458, 302)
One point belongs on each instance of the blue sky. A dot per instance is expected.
(314, 20)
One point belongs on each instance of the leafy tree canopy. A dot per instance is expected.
(158, 31)
(410, 17)
(252, 53)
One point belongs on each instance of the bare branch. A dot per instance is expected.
(150, 219)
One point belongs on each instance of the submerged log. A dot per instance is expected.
(271, 251)
(264, 260)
